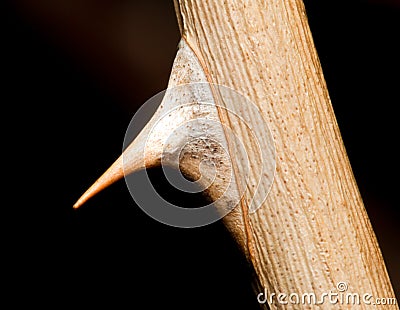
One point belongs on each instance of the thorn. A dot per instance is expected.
(132, 158)
(129, 162)
(113, 174)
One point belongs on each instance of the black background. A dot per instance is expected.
(74, 73)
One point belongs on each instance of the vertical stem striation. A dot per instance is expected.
(312, 230)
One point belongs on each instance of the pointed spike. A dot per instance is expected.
(129, 162)
(113, 174)
(132, 158)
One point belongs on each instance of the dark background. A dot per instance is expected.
(74, 73)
